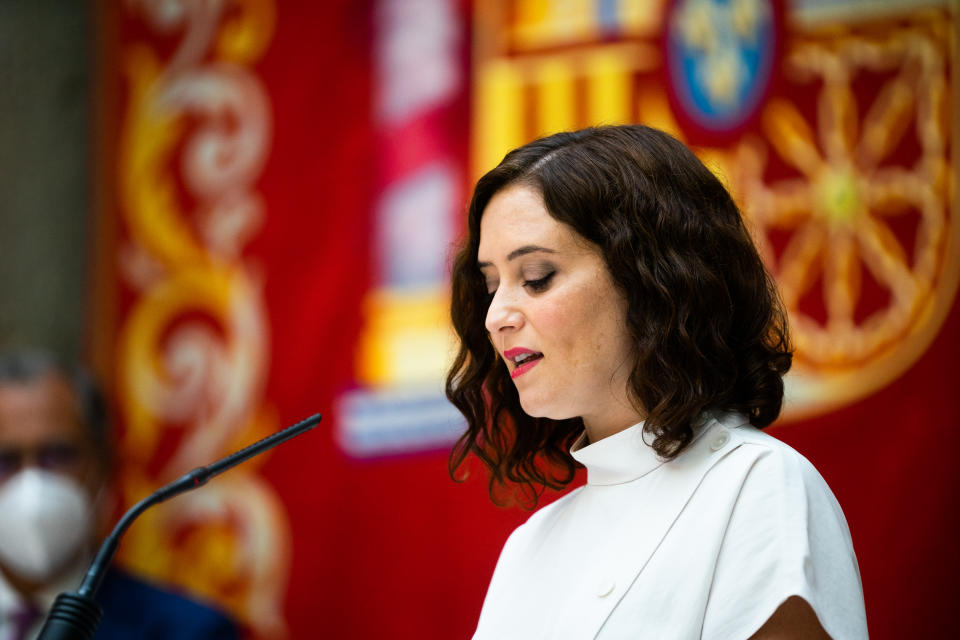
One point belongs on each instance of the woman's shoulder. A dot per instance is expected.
(762, 479)
(776, 463)
(764, 442)
(786, 536)
(725, 432)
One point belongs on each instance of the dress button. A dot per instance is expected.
(720, 440)
(605, 588)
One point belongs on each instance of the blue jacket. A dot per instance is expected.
(135, 609)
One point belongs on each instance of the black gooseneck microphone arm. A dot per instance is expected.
(75, 616)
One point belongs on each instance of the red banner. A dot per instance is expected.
(283, 184)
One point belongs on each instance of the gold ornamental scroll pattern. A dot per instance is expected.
(852, 183)
(193, 346)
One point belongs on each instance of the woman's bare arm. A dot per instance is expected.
(793, 620)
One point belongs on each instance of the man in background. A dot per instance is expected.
(55, 461)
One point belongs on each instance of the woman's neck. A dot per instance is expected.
(600, 427)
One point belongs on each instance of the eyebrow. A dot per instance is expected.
(516, 253)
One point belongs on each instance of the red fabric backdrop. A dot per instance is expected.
(386, 545)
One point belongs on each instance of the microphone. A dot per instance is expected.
(76, 615)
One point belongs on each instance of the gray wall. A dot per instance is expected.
(45, 176)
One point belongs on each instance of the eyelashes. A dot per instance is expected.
(540, 284)
(537, 285)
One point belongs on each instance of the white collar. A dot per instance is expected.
(626, 456)
(621, 457)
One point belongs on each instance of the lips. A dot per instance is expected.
(523, 359)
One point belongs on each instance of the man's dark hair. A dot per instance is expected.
(23, 366)
(705, 317)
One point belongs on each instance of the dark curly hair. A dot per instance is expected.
(709, 329)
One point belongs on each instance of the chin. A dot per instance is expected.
(539, 408)
(532, 408)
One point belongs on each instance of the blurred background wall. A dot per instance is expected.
(242, 211)
(46, 70)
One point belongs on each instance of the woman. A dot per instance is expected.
(614, 313)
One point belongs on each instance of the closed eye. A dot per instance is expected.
(539, 285)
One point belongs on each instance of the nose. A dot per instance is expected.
(503, 314)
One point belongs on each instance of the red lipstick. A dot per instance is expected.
(523, 359)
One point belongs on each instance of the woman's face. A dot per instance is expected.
(555, 316)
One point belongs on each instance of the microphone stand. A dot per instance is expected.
(76, 615)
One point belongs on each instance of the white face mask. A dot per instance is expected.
(45, 518)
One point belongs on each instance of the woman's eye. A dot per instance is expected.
(540, 284)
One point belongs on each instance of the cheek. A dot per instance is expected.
(604, 340)
(551, 318)
(582, 326)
